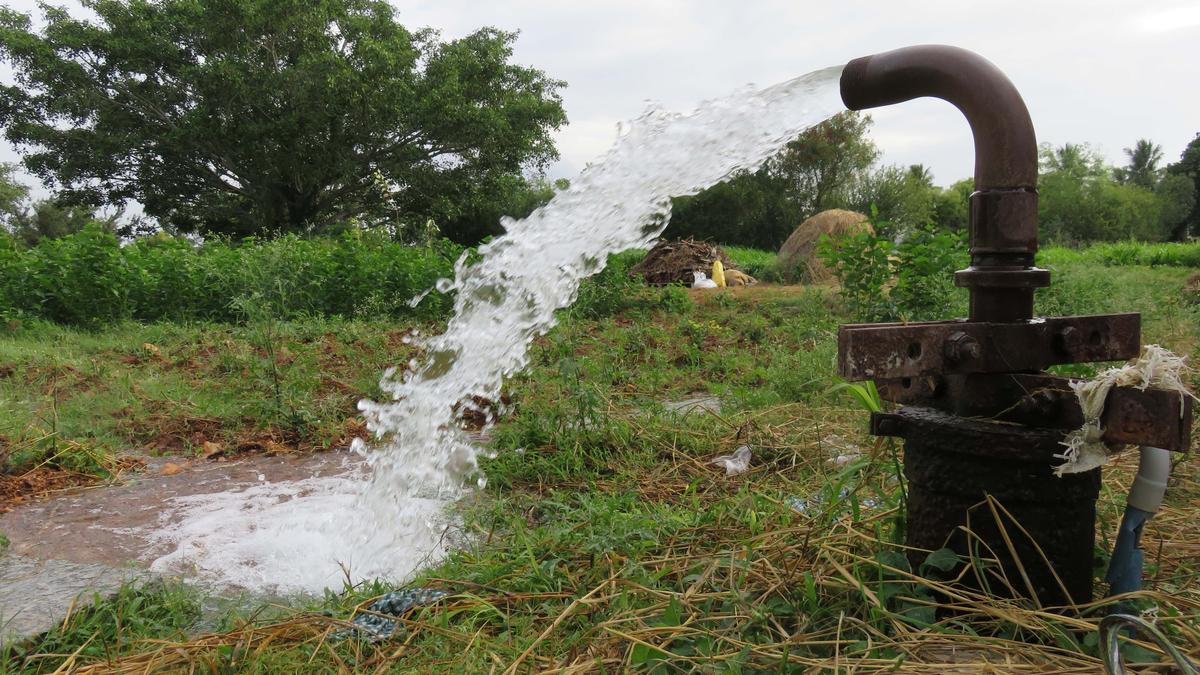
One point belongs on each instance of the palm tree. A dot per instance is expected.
(921, 175)
(1073, 159)
(1144, 157)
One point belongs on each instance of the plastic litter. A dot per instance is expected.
(701, 280)
(843, 451)
(805, 506)
(736, 463)
(1110, 645)
(718, 272)
(373, 624)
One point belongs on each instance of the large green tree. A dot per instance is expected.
(749, 209)
(1188, 168)
(1080, 201)
(246, 116)
(823, 164)
(901, 198)
(820, 169)
(12, 193)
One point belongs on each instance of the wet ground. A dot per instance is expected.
(92, 539)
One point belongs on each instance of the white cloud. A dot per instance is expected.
(1171, 19)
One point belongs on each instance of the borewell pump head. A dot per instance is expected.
(979, 400)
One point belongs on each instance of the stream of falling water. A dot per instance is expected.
(387, 518)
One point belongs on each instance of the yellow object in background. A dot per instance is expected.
(718, 274)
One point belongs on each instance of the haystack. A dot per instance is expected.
(797, 258)
(672, 262)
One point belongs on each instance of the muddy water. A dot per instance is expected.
(114, 525)
(87, 541)
(35, 594)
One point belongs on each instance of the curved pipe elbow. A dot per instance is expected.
(1005, 144)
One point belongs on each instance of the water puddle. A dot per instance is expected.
(117, 525)
(35, 594)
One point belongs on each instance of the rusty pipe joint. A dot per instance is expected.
(1003, 208)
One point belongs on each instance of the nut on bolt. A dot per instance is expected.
(961, 347)
(1068, 341)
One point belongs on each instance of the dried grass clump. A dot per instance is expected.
(797, 257)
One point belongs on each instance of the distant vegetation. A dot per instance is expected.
(89, 278)
(274, 116)
(834, 165)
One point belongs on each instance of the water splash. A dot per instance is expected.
(503, 302)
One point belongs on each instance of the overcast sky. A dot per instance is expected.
(1104, 72)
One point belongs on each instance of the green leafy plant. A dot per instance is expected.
(912, 280)
(90, 279)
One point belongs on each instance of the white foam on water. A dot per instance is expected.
(282, 537)
(292, 537)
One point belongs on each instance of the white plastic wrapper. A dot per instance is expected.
(736, 463)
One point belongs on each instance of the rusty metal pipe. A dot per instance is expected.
(1002, 277)
(1005, 145)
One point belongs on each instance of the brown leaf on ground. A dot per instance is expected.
(352, 428)
(209, 450)
(170, 469)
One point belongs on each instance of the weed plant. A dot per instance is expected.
(912, 280)
(758, 264)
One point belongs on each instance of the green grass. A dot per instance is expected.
(172, 388)
(606, 540)
(108, 628)
(1123, 253)
(757, 263)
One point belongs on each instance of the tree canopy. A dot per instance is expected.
(820, 169)
(1083, 199)
(245, 116)
(1187, 169)
(1142, 169)
(823, 164)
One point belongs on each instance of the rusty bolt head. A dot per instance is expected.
(961, 347)
(1068, 341)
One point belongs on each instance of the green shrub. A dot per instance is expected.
(1124, 253)
(89, 278)
(82, 279)
(922, 265)
(610, 291)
